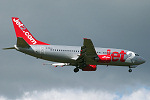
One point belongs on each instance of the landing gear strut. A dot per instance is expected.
(130, 70)
(76, 70)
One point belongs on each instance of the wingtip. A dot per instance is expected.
(84, 38)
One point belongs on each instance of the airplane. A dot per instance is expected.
(85, 57)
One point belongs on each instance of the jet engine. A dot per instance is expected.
(89, 68)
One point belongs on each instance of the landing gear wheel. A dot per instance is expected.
(76, 70)
(130, 70)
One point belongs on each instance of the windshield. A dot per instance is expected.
(136, 54)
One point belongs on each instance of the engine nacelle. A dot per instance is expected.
(89, 68)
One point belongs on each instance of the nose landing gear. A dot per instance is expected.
(130, 70)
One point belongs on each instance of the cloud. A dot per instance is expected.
(3, 98)
(79, 94)
(141, 94)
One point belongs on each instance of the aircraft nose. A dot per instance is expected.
(141, 60)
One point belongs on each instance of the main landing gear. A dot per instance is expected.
(76, 69)
(130, 70)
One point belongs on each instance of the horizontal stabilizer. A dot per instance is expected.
(8, 48)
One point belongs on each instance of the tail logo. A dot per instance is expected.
(23, 28)
(30, 37)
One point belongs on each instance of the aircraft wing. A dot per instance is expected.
(89, 47)
(88, 53)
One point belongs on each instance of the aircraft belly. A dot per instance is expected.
(118, 63)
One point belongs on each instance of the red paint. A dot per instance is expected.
(84, 38)
(22, 31)
(122, 56)
(115, 56)
(108, 52)
(90, 68)
(104, 58)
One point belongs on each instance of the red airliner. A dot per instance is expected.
(85, 57)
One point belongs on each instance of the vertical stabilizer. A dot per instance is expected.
(22, 31)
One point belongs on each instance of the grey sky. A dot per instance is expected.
(109, 23)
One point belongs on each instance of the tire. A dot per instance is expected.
(130, 70)
(76, 70)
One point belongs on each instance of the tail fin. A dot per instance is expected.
(22, 32)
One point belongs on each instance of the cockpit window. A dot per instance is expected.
(136, 54)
